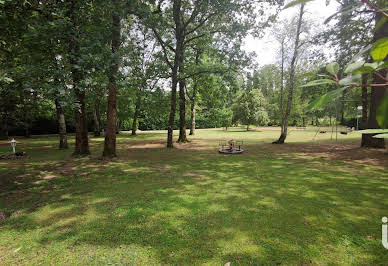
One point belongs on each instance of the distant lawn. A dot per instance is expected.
(300, 203)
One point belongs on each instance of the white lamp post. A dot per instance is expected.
(13, 144)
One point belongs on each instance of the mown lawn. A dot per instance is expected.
(305, 202)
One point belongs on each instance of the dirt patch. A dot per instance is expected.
(331, 151)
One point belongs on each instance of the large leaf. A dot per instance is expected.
(318, 82)
(296, 2)
(325, 98)
(361, 53)
(380, 23)
(381, 136)
(350, 80)
(332, 68)
(382, 112)
(367, 68)
(343, 11)
(353, 67)
(380, 49)
(372, 131)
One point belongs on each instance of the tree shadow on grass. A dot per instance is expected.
(190, 207)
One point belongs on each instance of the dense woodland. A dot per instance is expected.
(109, 66)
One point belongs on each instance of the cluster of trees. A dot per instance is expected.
(114, 65)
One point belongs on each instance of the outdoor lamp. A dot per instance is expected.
(13, 144)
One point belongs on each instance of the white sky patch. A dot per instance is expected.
(266, 47)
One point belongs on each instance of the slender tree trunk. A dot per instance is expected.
(343, 108)
(110, 135)
(96, 119)
(282, 85)
(4, 128)
(192, 127)
(364, 119)
(182, 112)
(284, 128)
(137, 109)
(248, 127)
(81, 129)
(377, 94)
(61, 125)
(179, 35)
(193, 100)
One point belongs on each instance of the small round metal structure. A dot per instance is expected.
(231, 147)
(232, 151)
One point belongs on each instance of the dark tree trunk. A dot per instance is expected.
(81, 129)
(247, 127)
(170, 129)
(110, 135)
(182, 112)
(4, 129)
(377, 94)
(96, 119)
(179, 52)
(137, 110)
(284, 127)
(364, 118)
(343, 108)
(61, 126)
(192, 108)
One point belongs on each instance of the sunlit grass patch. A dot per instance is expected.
(301, 203)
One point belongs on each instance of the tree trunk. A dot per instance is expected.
(137, 109)
(81, 129)
(343, 108)
(377, 94)
(193, 100)
(284, 127)
(282, 83)
(182, 112)
(4, 130)
(96, 119)
(179, 35)
(364, 119)
(247, 127)
(192, 127)
(110, 135)
(61, 125)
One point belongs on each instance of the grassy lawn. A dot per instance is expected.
(305, 202)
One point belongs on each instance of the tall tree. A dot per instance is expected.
(284, 126)
(110, 134)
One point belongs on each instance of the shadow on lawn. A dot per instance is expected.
(193, 207)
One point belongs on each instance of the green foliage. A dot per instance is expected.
(379, 50)
(318, 82)
(333, 68)
(296, 2)
(250, 108)
(326, 98)
(382, 112)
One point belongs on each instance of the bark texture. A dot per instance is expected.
(61, 125)
(110, 134)
(179, 50)
(136, 114)
(97, 120)
(377, 94)
(81, 129)
(364, 98)
(284, 126)
(194, 97)
(182, 112)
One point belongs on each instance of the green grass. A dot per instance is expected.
(299, 203)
